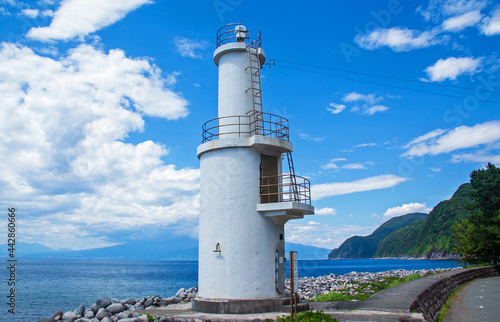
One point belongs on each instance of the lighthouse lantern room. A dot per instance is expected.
(246, 194)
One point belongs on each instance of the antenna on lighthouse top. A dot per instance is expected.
(236, 32)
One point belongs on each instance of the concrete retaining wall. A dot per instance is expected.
(430, 301)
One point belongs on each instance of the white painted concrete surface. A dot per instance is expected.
(245, 267)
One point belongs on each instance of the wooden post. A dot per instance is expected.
(296, 301)
(291, 286)
(293, 283)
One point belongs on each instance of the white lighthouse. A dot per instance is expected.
(247, 194)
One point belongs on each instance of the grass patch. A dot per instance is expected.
(477, 265)
(308, 316)
(362, 291)
(444, 310)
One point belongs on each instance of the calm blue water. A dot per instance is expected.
(45, 286)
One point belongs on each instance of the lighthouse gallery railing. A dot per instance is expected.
(234, 33)
(254, 123)
(283, 188)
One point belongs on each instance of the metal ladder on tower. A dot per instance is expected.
(293, 180)
(255, 88)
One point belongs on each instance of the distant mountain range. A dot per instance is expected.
(365, 247)
(183, 248)
(412, 235)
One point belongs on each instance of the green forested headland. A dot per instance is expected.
(412, 235)
(365, 247)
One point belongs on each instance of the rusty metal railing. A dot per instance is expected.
(231, 33)
(283, 188)
(253, 123)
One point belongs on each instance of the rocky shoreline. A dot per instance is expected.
(113, 310)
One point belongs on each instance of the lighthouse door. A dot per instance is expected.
(280, 269)
(269, 187)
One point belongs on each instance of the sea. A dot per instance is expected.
(45, 286)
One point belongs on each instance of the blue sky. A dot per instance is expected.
(102, 104)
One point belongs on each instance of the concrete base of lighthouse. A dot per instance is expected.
(228, 306)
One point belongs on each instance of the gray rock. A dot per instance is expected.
(102, 313)
(130, 301)
(93, 307)
(143, 318)
(115, 308)
(128, 320)
(107, 319)
(56, 314)
(136, 315)
(89, 314)
(80, 310)
(103, 303)
(115, 301)
(148, 302)
(122, 315)
(170, 319)
(83, 320)
(69, 316)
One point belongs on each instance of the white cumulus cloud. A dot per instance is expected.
(459, 23)
(186, 47)
(354, 166)
(374, 109)
(327, 211)
(76, 18)
(324, 190)
(64, 124)
(309, 137)
(491, 25)
(452, 67)
(438, 10)
(355, 97)
(30, 13)
(335, 108)
(463, 137)
(398, 39)
(475, 158)
(367, 102)
(407, 208)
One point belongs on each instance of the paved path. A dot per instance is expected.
(398, 298)
(477, 301)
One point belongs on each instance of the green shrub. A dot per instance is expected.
(150, 318)
(308, 316)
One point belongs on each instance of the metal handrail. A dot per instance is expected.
(227, 34)
(254, 123)
(285, 187)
